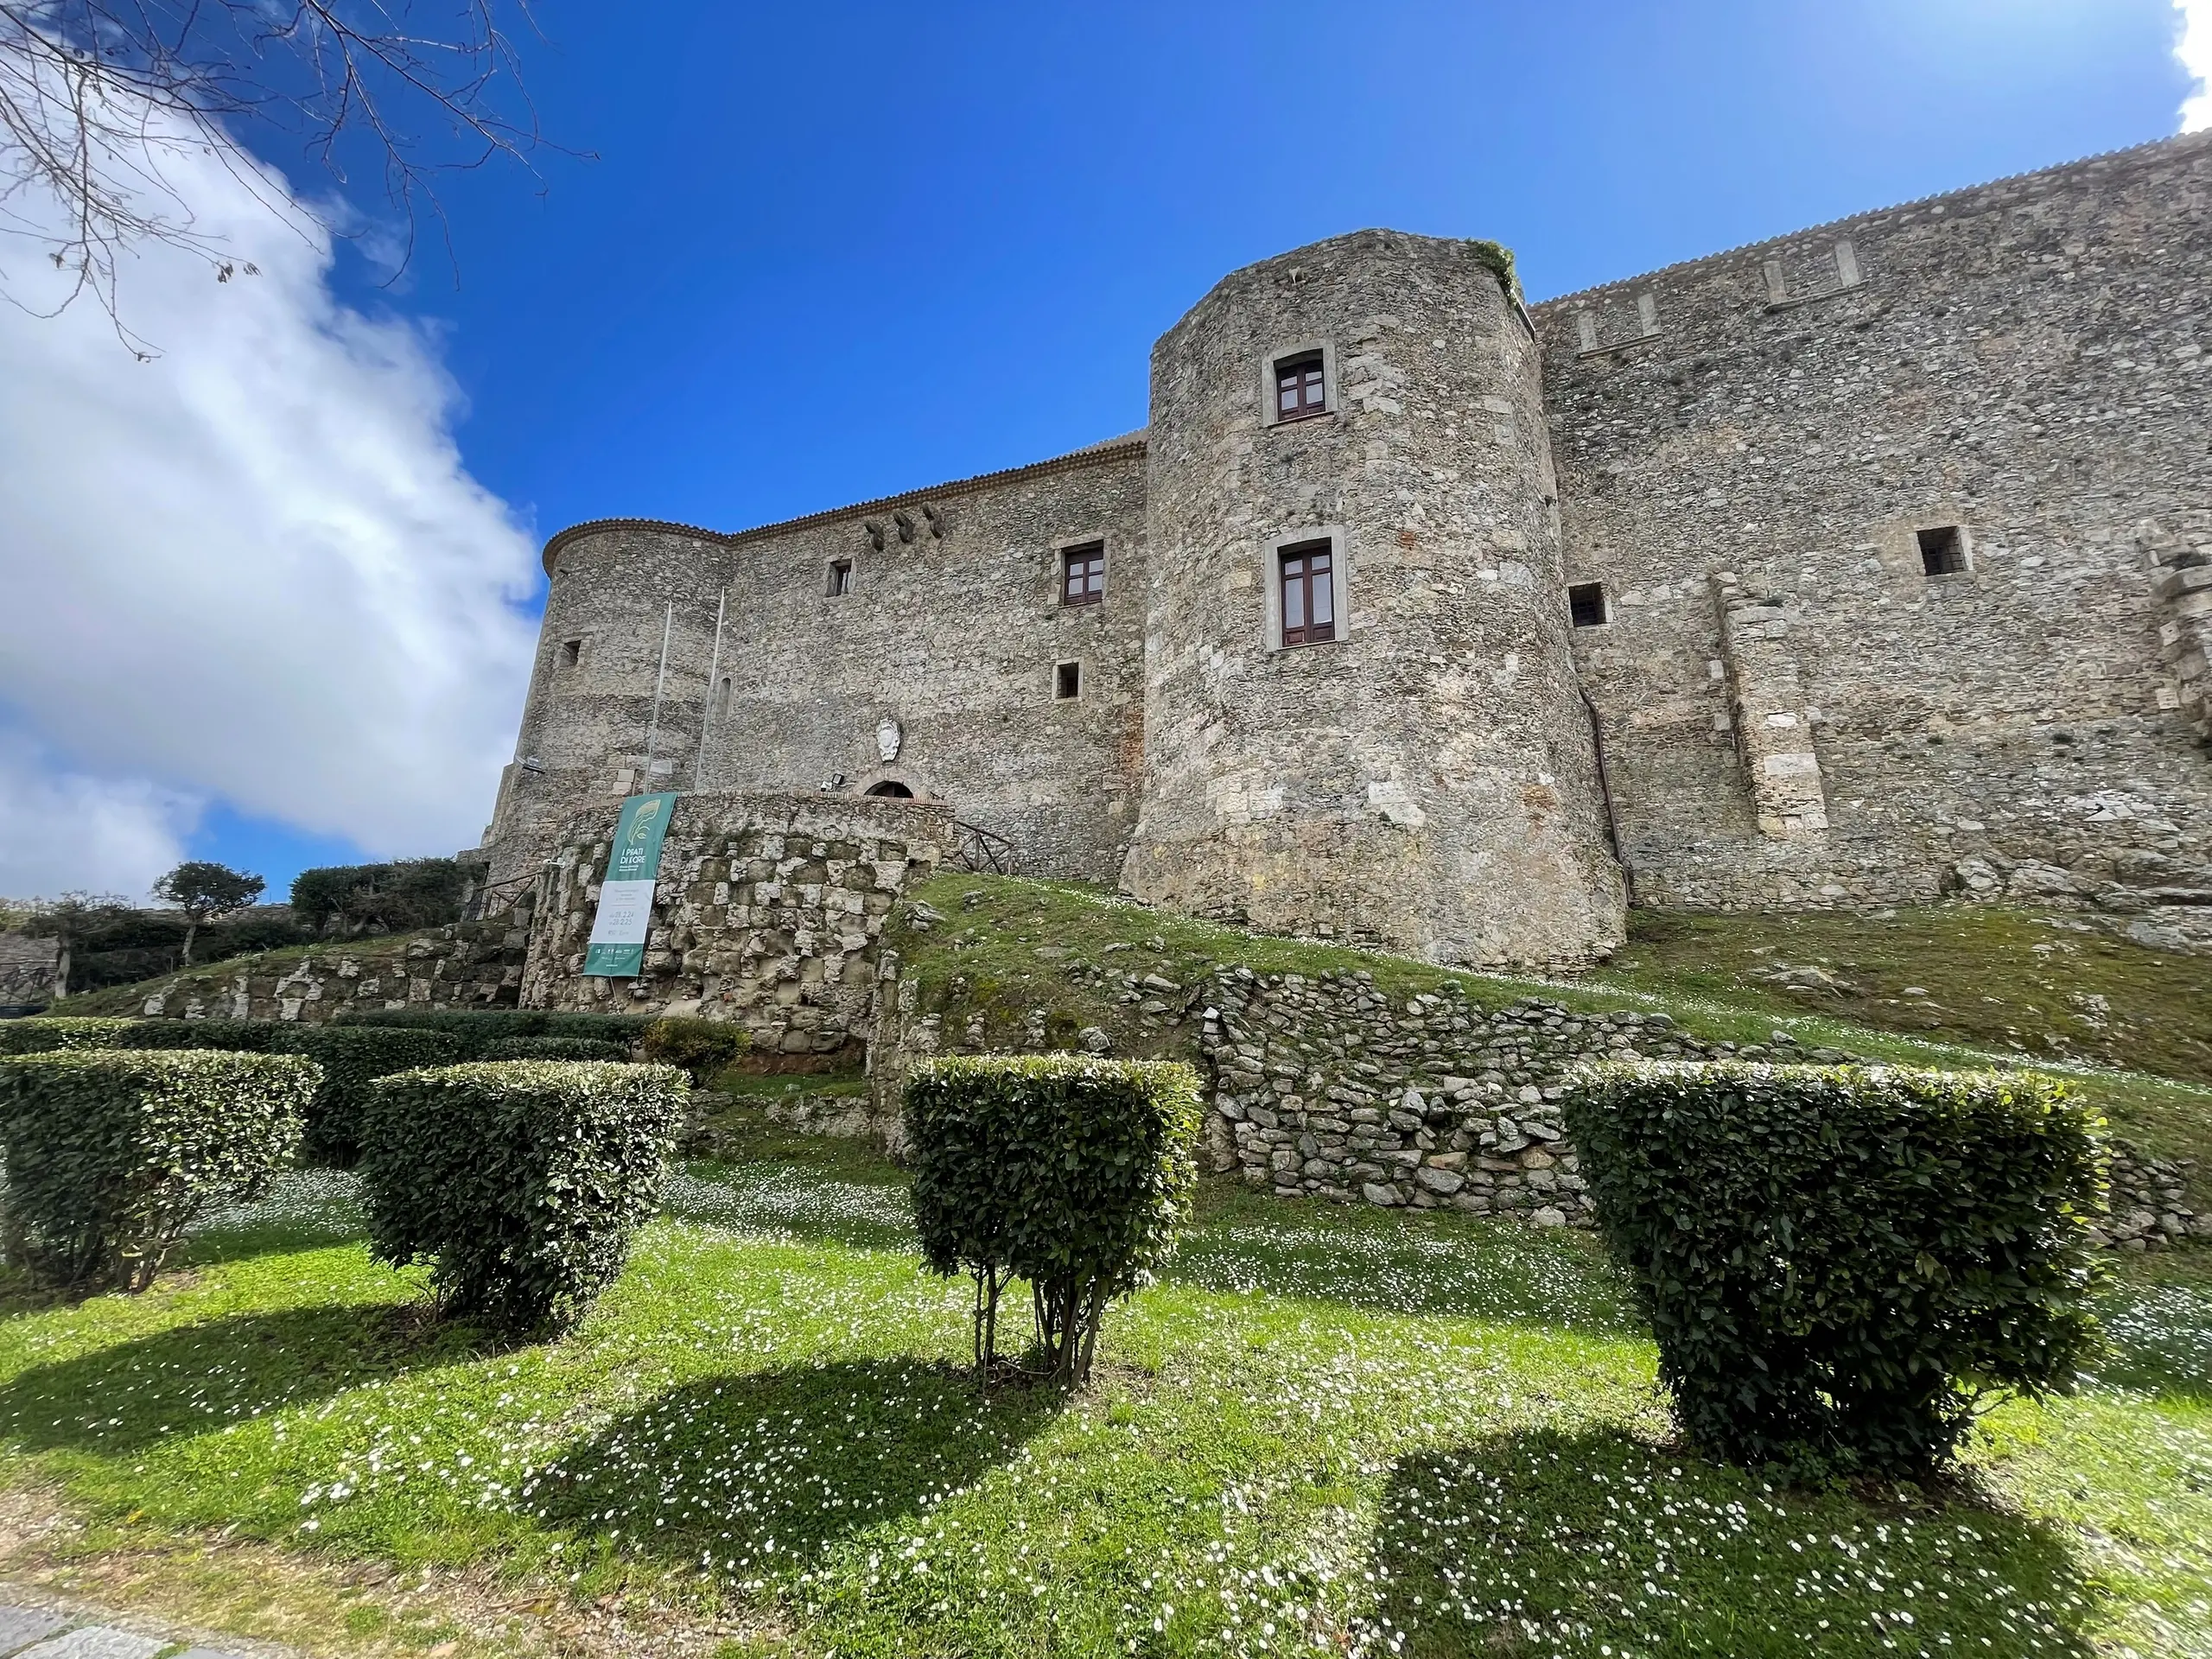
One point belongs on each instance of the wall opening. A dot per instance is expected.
(721, 697)
(1942, 551)
(1301, 387)
(1067, 682)
(1083, 573)
(572, 651)
(1586, 605)
(841, 577)
(890, 791)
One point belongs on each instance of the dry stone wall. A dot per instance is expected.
(459, 966)
(769, 912)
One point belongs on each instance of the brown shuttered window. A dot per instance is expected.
(1309, 594)
(1300, 387)
(1082, 575)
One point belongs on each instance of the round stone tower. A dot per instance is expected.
(1362, 717)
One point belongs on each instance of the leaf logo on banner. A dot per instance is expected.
(641, 825)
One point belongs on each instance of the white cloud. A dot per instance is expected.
(62, 830)
(254, 567)
(2194, 48)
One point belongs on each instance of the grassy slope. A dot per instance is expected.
(1006, 947)
(1324, 1426)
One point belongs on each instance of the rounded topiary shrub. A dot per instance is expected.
(521, 1181)
(1839, 1263)
(111, 1154)
(1071, 1172)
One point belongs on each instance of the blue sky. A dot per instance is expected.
(828, 252)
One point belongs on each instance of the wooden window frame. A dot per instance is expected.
(1306, 631)
(1090, 557)
(1309, 369)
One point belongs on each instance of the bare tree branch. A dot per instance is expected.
(99, 99)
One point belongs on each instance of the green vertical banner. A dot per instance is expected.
(617, 949)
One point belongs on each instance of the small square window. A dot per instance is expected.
(1082, 575)
(1301, 387)
(572, 651)
(1586, 605)
(1307, 573)
(841, 577)
(1942, 551)
(1067, 682)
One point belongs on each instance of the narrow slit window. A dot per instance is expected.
(721, 697)
(1301, 387)
(1309, 594)
(1067, 682)
(1586, 605)
(1942, 552)
(1082, 575)
(572, 651)
(841, 577)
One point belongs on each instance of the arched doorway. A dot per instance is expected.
(891, 789)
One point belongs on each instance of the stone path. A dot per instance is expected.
(51, 1633)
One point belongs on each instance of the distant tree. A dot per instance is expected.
(204, 891)
(98, 98)
(394, 897)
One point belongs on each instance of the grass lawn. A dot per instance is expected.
(1334, 1431)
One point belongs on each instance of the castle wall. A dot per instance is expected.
(937, 670)
(1427, 779)
(1747, 446)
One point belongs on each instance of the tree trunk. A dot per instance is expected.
(191, 927)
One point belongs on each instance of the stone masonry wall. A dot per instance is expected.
(1322, 1088)
(937, 670)
(768, 912)
(1758, 437)
(465, 965)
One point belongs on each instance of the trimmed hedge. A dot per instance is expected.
(481, 1028)
(1068, 1171)
(703, 1047)
(523, 1181)
(557, 1048)
(46, 1033)
(1841, 1263)
(353, 1057)
(231, 1036)
(112, 1153)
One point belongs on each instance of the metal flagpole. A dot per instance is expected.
(707, 708)
(652, 726)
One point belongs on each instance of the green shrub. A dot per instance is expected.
(1840, 1263)
(46, 1032)
(230, 1036)
(407, 894)
(481, 1027)
(352, 1057)
(522, 1180)
(1071, 1172)
(703, 1047)
(111, 1154)
(556, 1048)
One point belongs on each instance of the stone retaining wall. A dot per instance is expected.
(768, 912)
(1323, 1088)
(464, 965)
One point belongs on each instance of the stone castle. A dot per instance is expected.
(1858, 567)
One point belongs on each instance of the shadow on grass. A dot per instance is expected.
(1505, 1546)
(195, 1378)
(758, 1474)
